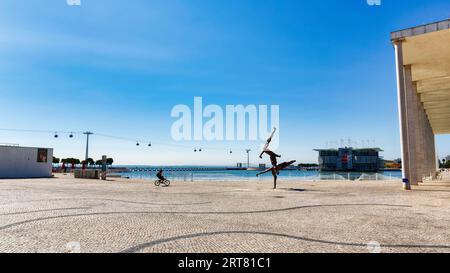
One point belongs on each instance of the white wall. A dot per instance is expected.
(21, 162)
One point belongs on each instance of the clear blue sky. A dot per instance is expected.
(118, 67)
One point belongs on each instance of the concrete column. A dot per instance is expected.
(417, 136)
(421, 144)
(433, 164)
(430, 148)
(402, 112)
(413, 127)
(426, 149)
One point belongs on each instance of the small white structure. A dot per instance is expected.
(25, 162)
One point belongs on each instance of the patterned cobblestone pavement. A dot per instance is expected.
(69, 215)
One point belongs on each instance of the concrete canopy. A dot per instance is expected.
(426, 49)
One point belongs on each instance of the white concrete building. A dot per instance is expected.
(25, 162)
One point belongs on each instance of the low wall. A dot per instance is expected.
(87, 174)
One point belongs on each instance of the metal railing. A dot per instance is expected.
(187, 176)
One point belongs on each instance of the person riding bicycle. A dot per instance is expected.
(160, 175)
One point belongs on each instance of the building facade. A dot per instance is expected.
(350, 160)
(25, 162)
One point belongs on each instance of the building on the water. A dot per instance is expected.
(350, 160)
(241, 166)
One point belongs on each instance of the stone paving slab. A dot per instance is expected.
(64, 214)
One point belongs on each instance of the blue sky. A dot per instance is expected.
(118, 67)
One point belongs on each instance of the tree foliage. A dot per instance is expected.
(109, 161)
(71, 161)
(90, 161)
(444, 164)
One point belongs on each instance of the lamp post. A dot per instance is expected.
(248, 157)
(87, 143)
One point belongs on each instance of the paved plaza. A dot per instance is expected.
(69, 215)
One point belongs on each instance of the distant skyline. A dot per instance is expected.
(119, 67)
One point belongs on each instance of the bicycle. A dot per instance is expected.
(165, 182)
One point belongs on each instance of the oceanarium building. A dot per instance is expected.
(350, 160)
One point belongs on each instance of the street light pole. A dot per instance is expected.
(87, 143)
(248, 157)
